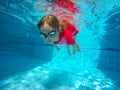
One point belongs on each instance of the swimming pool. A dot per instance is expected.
(29, 63)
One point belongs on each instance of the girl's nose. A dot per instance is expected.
(47, 39)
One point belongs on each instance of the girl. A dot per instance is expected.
(58, 32)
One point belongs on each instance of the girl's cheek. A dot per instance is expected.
(45, 40)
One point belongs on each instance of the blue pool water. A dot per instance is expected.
(29, 63)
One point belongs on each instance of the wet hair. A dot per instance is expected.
(51, 20)
(63, 23)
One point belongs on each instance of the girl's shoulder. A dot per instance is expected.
(63, 23)
(66, 24)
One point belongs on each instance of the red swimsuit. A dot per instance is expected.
(66, 36)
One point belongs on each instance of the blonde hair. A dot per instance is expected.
(51, 20)
(63, 23)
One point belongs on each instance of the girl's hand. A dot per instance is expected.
(57, 48)
(74, 36)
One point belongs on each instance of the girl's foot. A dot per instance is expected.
(78, 49)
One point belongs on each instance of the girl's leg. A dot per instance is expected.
(77, 47)
(74, 48)
(68, 48)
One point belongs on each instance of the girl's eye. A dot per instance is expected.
(52, 33)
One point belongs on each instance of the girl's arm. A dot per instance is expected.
(56, 47)
(68, 48)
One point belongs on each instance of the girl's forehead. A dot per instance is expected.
(46, 30)
(46, 26)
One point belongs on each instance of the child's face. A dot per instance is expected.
(49, 34)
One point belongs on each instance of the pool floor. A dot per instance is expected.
(44, 78)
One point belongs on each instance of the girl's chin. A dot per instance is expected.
(50, 42)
